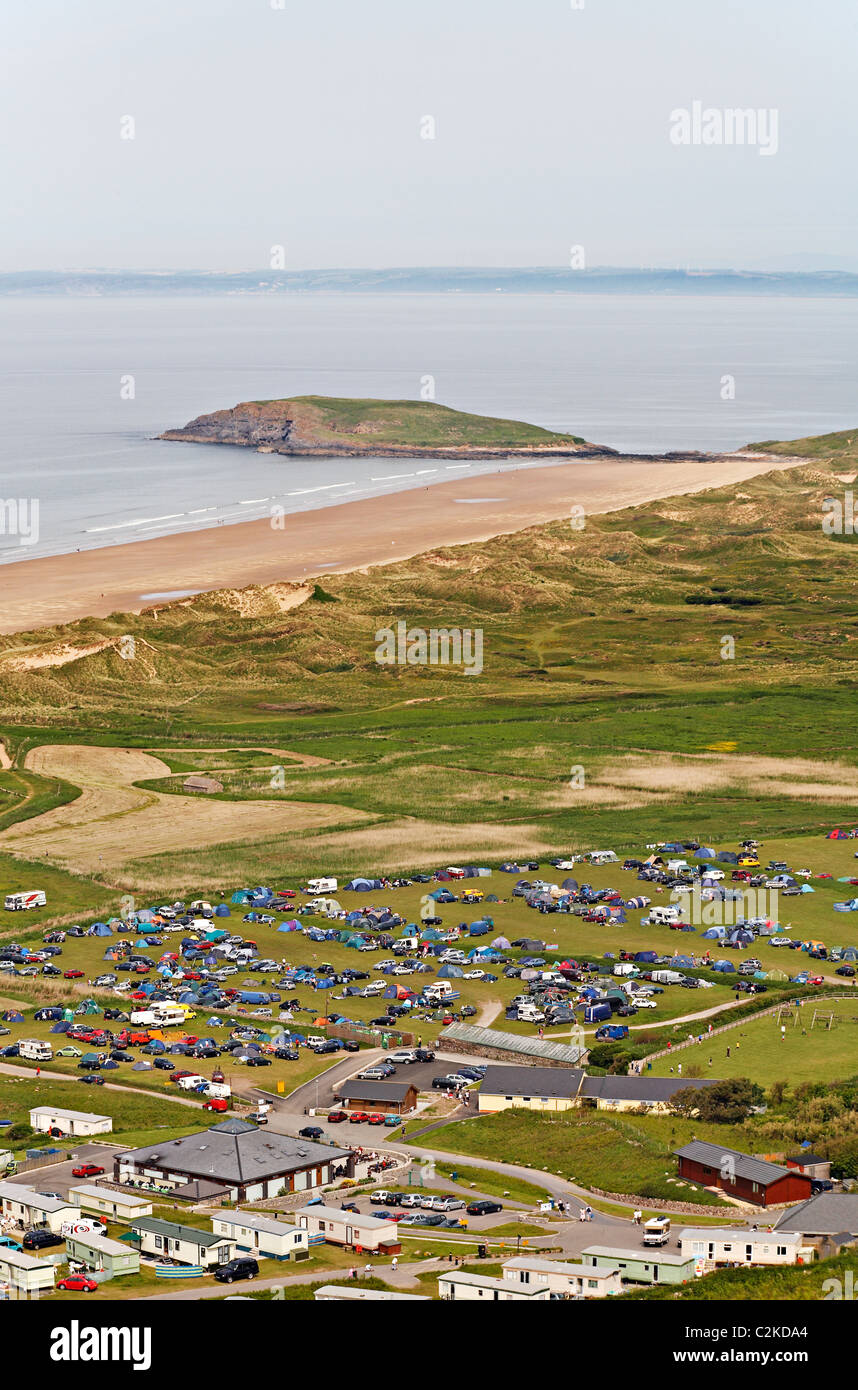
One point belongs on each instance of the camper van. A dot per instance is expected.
(204, 909)
(442, 989)
(163, 1016)
(322, 885)
(663, 915)
(657, 1230)
(35, 1050)
(22, 902)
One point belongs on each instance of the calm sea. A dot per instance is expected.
(639, 373)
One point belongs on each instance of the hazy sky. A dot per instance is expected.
(258, 126)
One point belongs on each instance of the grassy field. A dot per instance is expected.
(603, 652)
(132, 1114)
(623, 1154)
(759, 1048)
(777, 1285)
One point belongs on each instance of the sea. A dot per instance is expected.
(86, 383)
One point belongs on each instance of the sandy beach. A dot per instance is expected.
(352, 535)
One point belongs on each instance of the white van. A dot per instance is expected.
(204, 908)
(442, 989)
(22, 902)
(190, 1083)
(322, 885)
(35, 1049)
(661, 915)
(529, 1013)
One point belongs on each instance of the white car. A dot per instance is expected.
(565, 864)
(474, 975)
(780, 941)
(403, 1057)
(640, 1002)
(453, 957)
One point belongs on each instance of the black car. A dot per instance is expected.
(286, 1054)
(844, 970)
(244, 1268)
(38, 1240)
(351, 1046)
(92, 1079)
(164, 1064)
(310, 1132)
(483, 1207)
(259, 1061)
(424, 1054)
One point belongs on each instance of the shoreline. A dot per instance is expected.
(54, 590)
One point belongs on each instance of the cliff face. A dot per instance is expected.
(325, 428)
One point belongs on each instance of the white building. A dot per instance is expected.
(79, 1123)
(564, 1279)
(25, 1208)
(113, 1206)
(353, 1293)
(26, 1273)
(261, 1235)
(725, 1245)
(187, 1245)
(457, 1286)
(349, 1228)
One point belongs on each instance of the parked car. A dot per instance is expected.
(336, 1117)
(87, 1170)
(483, 1207)
(41, 1239)
(243, 1268)
(358, 1117)
(311, 1132)
(77, 1283)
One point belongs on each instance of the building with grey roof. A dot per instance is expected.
(249, 1163)
(753, 1180)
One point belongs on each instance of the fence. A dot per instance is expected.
(178, 1271)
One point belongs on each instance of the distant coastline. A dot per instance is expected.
(432, 280)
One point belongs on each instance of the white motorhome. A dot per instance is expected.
(442, 989)
(602, 856)
(35, 1050)
(22, 902)
(322, 885)
(657, 1230)
(661, 915)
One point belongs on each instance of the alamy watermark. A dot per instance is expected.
(19, 516)
(727, 125)
(838, 515)
(435, 646)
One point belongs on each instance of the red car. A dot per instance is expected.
(375, 1119)
(73, 975)
(87, 1170)
(358, 1117)
(177, 1075)
(77, 1283)
(216, 1103)
(336, 1117)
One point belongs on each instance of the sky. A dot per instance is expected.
(378, 133)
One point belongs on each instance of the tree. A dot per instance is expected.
(723, 1103)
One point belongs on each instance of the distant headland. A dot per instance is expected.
(331, 427)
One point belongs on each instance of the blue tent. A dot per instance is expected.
(725, 967)
(60, 1027)
(101, 929)
(363, 885)
(450, 972)
(240, 898)
(648, 956)
(686, 962)
(222, 910)
(705, 853)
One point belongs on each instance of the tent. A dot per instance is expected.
(101, 929)
(648, 956)
(705, 853)
(837, 835)
(61, 1027)
(362, 885)
(142, 1066)
(510, 868)
(684, 962)
(450, 972)
(501, 943)
(725, 967)
(634, 903)
(714, 933)
(13, 1016)
(726, 856)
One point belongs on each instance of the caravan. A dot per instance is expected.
(322, 885)
(22, 902)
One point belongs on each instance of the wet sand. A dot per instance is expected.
(351, 535)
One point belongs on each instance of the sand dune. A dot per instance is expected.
(353, 535)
